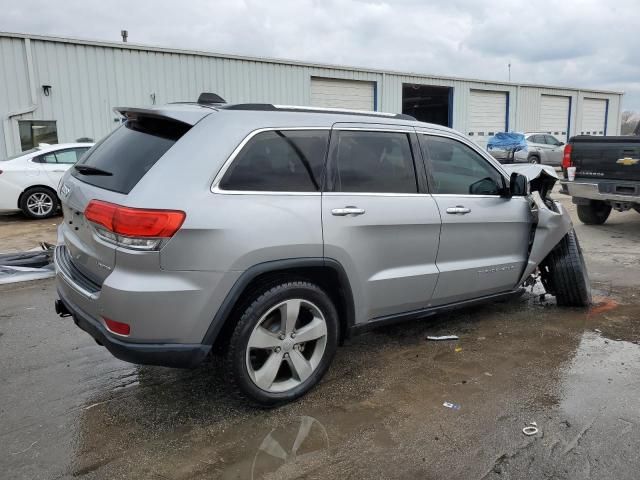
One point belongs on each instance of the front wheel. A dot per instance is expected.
(534, 159)
(283, 343)
(564, 273)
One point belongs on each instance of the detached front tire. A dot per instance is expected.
(564, 273)
(595, 213)
(283, 343)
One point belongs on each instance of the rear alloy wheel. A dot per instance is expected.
(564, 273)
(534, 159)
(283, 343)
(595, 213)
(39, 202)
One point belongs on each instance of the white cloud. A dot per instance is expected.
(583, 43)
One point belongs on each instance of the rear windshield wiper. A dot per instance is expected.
(89, 170)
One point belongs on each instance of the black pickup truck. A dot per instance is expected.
(607, 175)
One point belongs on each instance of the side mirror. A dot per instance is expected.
(560, 144)
(518, 185)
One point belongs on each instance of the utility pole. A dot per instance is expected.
(509, 66)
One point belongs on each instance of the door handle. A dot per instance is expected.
(342, 212)
(459, 210)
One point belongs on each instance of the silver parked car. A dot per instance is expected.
(541, 148)
(271, 233)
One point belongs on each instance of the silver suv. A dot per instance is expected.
(272, 233)
(541, 148)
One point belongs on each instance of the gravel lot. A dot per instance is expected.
(68, 409)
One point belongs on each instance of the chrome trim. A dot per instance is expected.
(383, 129)
(591, 191)
(67, 278)
(373, 194)
(215, 186)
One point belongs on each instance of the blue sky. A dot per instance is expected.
(578, 43)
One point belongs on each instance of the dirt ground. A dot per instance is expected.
(18, 233)
(68, 409)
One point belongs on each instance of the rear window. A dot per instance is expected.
(129, 152)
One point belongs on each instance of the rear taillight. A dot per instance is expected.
(117, 327)
(566, 158)
(137, 228)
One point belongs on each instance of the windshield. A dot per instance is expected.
(18, 155)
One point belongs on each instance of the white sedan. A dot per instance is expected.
(29, 181)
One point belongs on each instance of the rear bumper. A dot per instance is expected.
(165, 354)
(592, 191)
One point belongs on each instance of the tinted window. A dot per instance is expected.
(378, 162)
(129, 152)
(280, 161)
(551, 140)
(458, 169)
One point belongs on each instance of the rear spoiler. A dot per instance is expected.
(189, 114)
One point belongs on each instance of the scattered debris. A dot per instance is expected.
(24, 266)
(488, 374)
(443, 337)
(597, 330)
(531, 429)
(458, 349)
(452, 406)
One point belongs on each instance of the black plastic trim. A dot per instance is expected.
(427, 312)
(175, 355)
(225, 309)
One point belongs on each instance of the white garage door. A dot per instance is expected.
(554, 116)
(594, 111)
(350, 94)
(488, 114)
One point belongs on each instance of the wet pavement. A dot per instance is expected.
(70, 410)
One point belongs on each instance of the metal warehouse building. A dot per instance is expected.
(60, 90)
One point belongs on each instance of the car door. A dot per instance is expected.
(57, 162)
(555, 151)
(378, 220)
(485, 235)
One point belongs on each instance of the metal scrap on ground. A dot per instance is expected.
(443, 337)
(25, 266)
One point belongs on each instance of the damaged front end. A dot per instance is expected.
(554, 252)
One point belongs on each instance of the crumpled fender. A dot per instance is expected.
(551, 227)
(552, 221)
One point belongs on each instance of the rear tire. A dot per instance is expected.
(267, 359)
(534, 159)
(564, 273)
(595, 213)
(39, 202)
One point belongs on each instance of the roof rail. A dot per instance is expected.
(295, 108)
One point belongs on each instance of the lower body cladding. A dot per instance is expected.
(168, 313)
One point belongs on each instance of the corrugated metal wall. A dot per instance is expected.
(88, 79)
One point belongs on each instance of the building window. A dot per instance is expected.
(35, 132)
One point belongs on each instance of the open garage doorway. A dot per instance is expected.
(428, 103)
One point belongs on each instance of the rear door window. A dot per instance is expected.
(280, 161)
(372, 162)
(129, 152)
